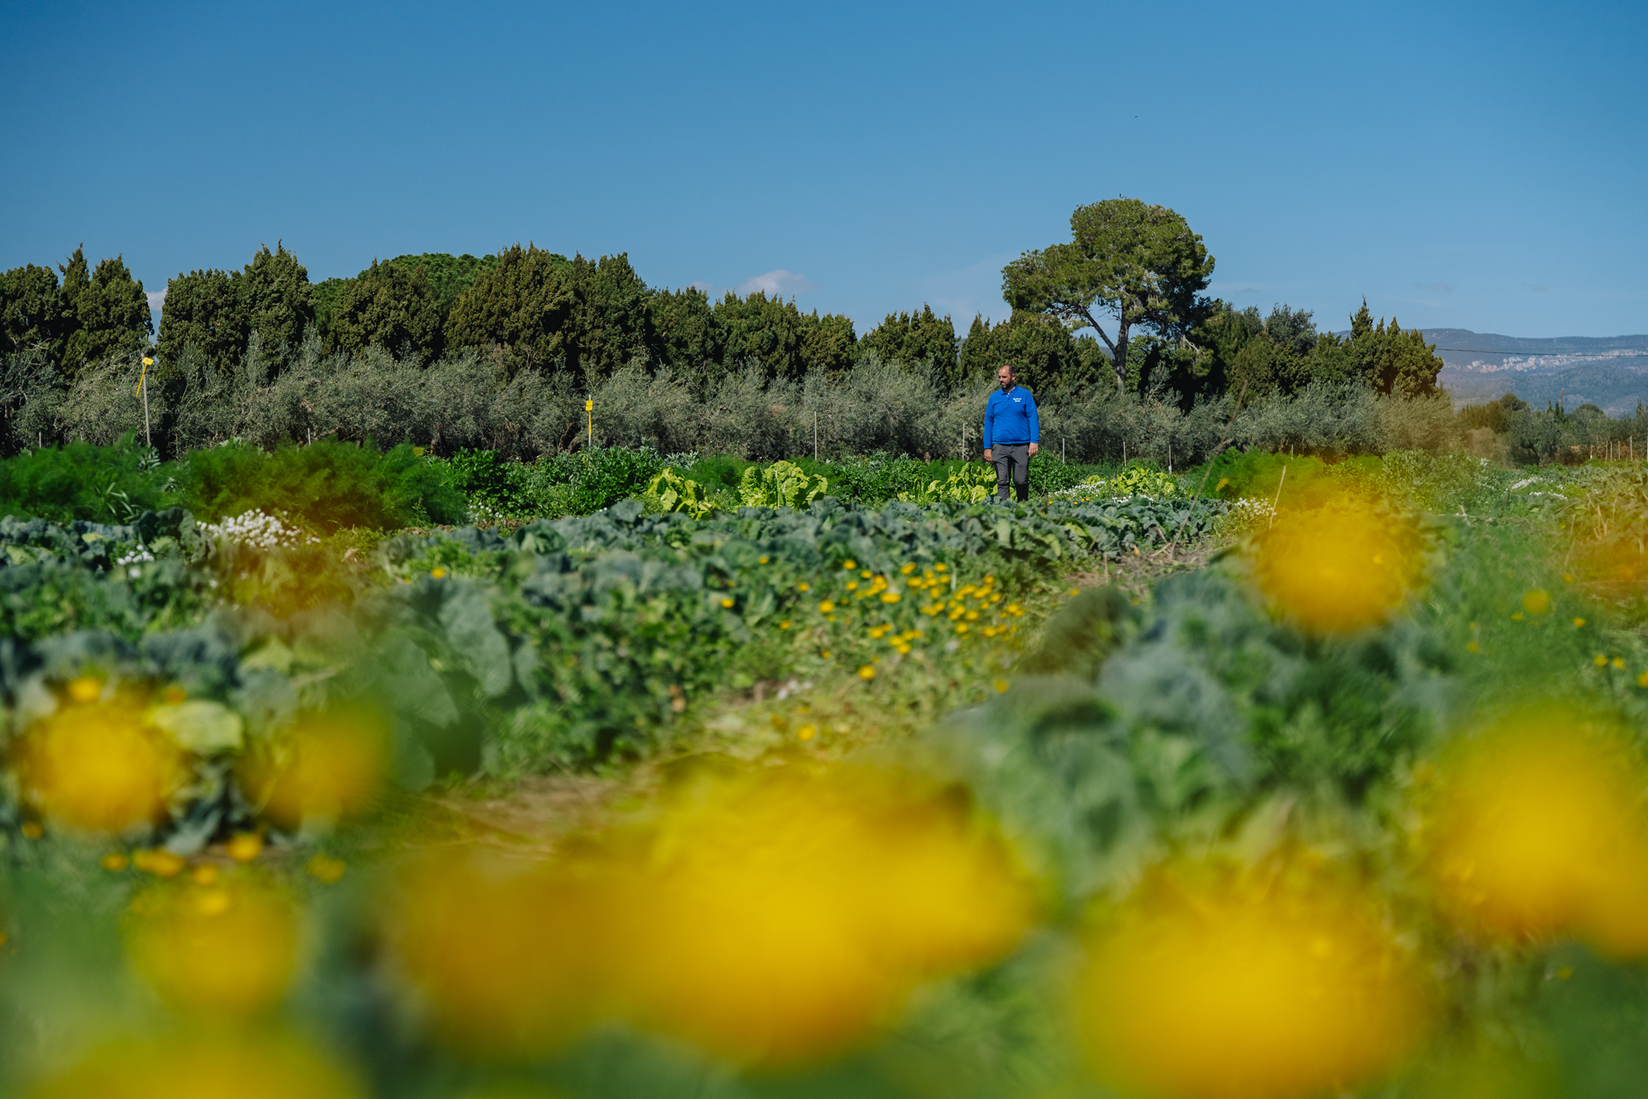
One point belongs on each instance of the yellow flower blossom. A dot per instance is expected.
(213, 947)
(1537, 832)
(1339, 567)
(98, 765)
(1257, 986)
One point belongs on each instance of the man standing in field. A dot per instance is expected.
(1012, 434)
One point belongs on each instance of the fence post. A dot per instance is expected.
(815, 434)
(144, 391)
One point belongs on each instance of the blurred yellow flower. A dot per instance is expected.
(727, 601)
(906, 569)
(245, 846)
(85, 689)
(325, 868)
(1255, 986)
(1338, 567)
(206, 1066)
(826, 606)
(803, 586)
(98, 765)
(1579, 623)
(806, 732)
(507, 957)
(216, 947)
(437, 573)
(786, 918)
(1537, 601)
(330, 766)
(115, 860)
(849, 564)
(159, 862)
(1537, 831)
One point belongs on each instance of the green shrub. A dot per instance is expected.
(103, 484)
(610, 474)
(670, 491)
(968, 484)
(781, 484)
(1135, 480)
(494, 487)
(330, 485)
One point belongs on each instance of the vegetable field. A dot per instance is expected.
(1276, 779)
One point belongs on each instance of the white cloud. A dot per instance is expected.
(776, 284)
(157, 298)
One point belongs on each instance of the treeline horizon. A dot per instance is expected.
(538, 310)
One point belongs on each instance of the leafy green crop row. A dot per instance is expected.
(569, 641)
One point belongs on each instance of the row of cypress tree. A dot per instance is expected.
(538, 310)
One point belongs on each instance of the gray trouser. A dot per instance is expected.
(1012, 464)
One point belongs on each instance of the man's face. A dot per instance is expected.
(1005, 377)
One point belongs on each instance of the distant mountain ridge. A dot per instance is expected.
(1608, 371)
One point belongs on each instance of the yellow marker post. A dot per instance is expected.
(589, 409)
(143, 391)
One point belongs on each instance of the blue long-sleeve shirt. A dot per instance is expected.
(1010, 418)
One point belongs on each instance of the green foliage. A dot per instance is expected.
(610, 325)
(967, 484)
(915, 338)
(447, 275)
(1140, 263)
(390, 305)
(494, 488)
(689, 334)
(93, 315)
(218, 312)
(202, 311)
(780, 485)
(110, 313)
(274, 299)
(1135, 480)
(606, 475)
(329, 485)
(1391, 360)
(31, 310)
(79, 481)
(1044, 353)
(671, 491)
(1494, 415)
(524, 305)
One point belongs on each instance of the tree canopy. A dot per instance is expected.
(1140, 264)
(91, 315)
(218, 312)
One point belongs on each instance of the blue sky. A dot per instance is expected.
(1480, 166)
